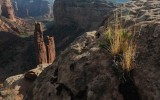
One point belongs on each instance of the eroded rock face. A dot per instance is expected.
(87, 14)
(40, 48)
(7, 10)
(33, 8)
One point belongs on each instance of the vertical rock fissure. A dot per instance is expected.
(127, 86)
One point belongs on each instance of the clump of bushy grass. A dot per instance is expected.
(119, 41)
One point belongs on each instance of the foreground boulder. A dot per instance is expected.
(81, 72)
(84, 71)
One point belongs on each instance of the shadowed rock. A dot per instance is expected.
(31, 76)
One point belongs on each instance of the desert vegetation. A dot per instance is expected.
(119, 42)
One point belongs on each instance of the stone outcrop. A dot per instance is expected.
(84, 71)
(45, 52)
(33, 8)
(87, 14)
(50, 49)
(7, 10)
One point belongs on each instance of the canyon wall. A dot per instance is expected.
(88, 14)
(7, 9)
(34, 8)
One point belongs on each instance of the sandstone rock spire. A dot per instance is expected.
(40, 47)
(45, 51)
(50, 49)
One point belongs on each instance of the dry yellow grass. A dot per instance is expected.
(129, 56)
(121, 43)
(116, 42)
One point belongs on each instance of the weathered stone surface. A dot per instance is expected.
(7, 10)
(81, 72)
(40, 48)
(50, 49)
(84, 71)
(87, 14)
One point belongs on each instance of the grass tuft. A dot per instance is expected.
(129, 56)
(119, 41)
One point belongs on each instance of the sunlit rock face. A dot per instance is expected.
(33, 8)
(87, 14)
